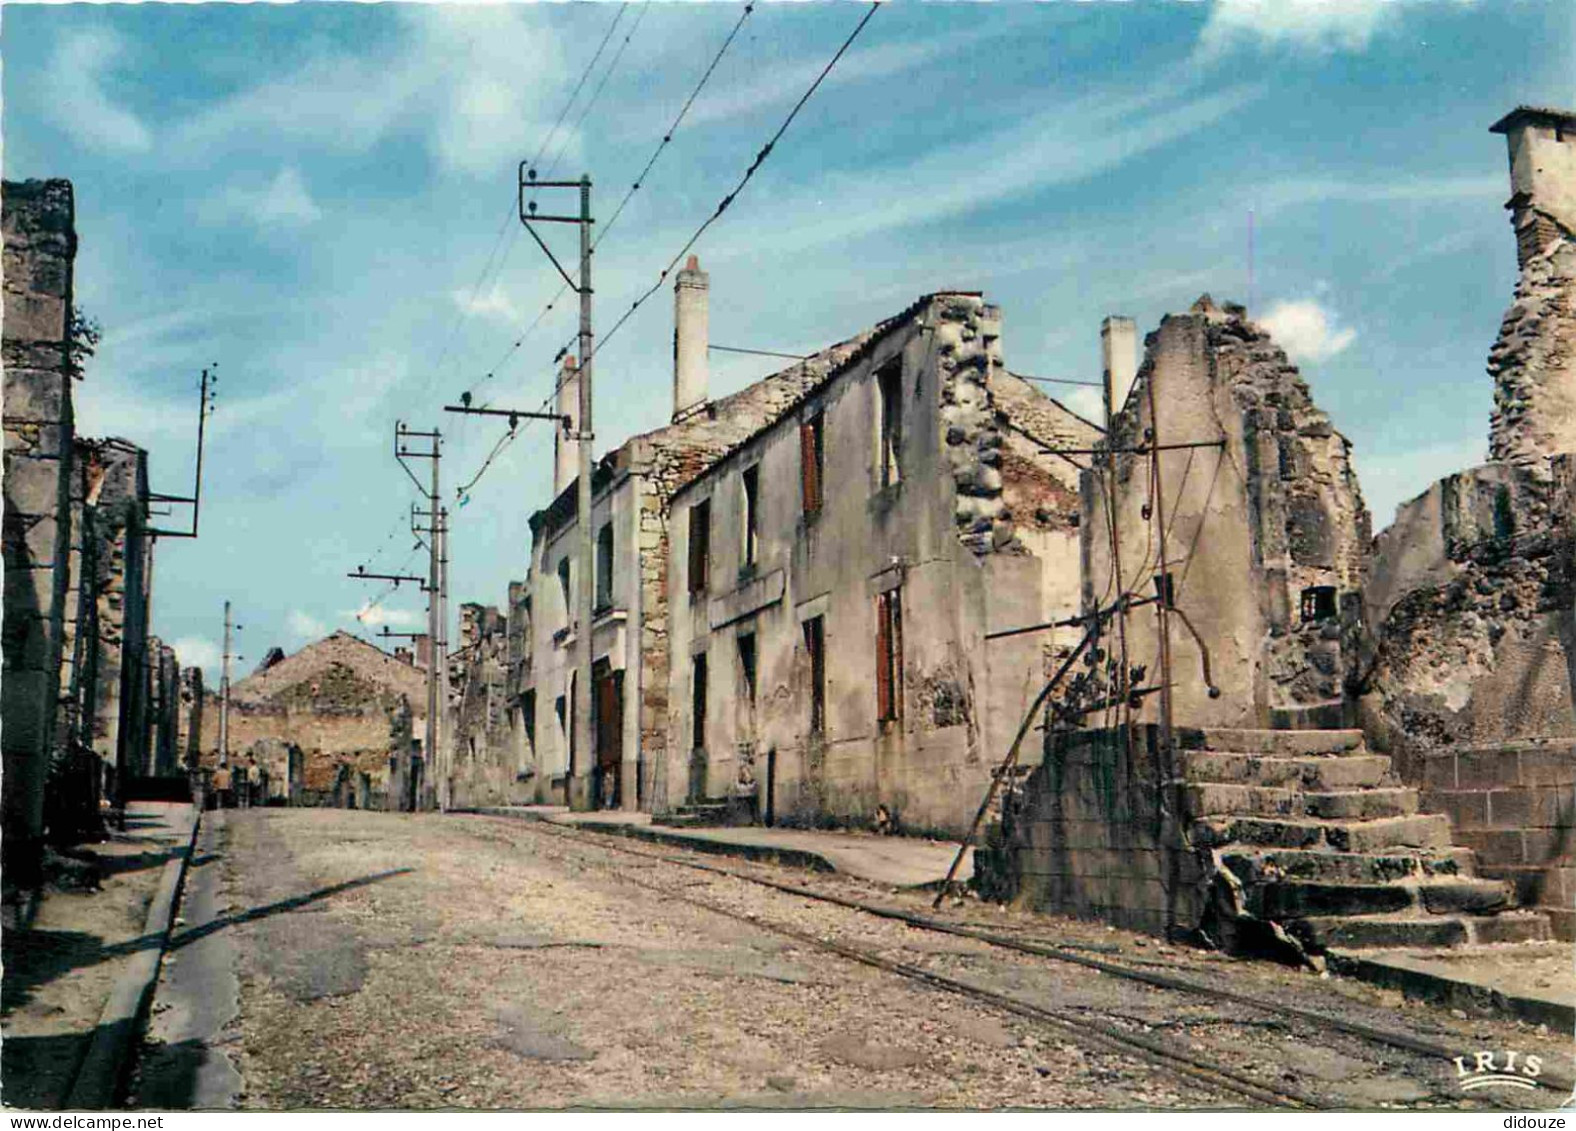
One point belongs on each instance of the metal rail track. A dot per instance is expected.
(1551, 1081)
(1081, 1027)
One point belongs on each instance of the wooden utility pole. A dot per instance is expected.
(583, 691)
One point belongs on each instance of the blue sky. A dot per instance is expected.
(310, 194)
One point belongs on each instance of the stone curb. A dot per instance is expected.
(771, 854)
(101, 1077)
(1469, 997)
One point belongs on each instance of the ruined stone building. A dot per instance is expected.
(1382, 749)
(1267, 535)
(632, 486)
(834, 575)
(1471, 594)
(40, 248)
(88, 696)
(331, 724)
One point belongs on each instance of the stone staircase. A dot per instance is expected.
(1313, 834)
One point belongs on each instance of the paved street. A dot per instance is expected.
(386, 960)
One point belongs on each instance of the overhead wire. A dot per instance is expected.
(482, 280)
(716, 214)
(635, 186)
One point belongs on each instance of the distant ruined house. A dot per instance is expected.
(319, 718)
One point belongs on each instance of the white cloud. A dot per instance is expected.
(283, 202)
(472, 80)
(1319, 26)
(494, 304)
(77, 101)
(304, 626)
(375, 615)
(1306, 331)
(1068, 144)
(196, 652)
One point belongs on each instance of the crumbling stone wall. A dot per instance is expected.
(483, 756)
(332, 700)
(1266, 527)
(1533, 360)
(40, 245)
(1094, 831)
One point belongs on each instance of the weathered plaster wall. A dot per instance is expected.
(632, 486)
(39, 250)
(1251, 525)
(945, 537)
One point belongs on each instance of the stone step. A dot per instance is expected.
(1416, 831)
(1407, 929)
(1297, 899)
(1311, 770)
(1333, 715)
(1253, 867)
(1210, 799)
(1512, 926)
(1234, 739)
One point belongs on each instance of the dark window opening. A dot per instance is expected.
(698, 703)
(528, 722)
(889, 383)
(752, 500)
(604, 567)
(563, 587)
(815, 645)
(699, 546)
(1318, 603)
(889, 656)
(811, 466)
(747, 665)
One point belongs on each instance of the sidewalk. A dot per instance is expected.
(1531, 981)
(893, 861)
(77, 979)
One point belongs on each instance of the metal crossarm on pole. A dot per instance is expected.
(204, 408)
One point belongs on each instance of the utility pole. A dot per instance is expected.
(361, 574)
(584, 694)
(224, 695)
(437, 660)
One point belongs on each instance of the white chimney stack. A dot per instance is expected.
(566, 458)
(691, 331)
(1118, 360)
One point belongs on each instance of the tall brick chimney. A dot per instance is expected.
(565, 455)
(691, 330)
(1118, 359)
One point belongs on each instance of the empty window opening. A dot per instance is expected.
(889, 384)
(565, 590)
(747, 665)
(752, 501)
(889, 656)
(699, 546)
(528, 729)
(811, 465)
(815, 645)
(604, 567)
(1318, 603)
(698, 703)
